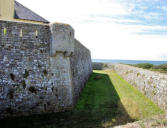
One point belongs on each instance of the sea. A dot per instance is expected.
(129, 61)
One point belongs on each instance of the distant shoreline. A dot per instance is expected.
(129, 61)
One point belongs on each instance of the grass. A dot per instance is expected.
(126, 91)
(162, 68)
(107, 100)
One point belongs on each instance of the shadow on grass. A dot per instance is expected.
(98, 106)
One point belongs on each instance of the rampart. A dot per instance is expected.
(42, 68)
(151, 84)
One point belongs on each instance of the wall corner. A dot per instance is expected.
(62, 39)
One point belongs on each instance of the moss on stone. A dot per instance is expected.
(45, 72)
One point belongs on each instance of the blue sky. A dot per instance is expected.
(147, 12)
(112, 29)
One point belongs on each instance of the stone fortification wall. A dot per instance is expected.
(37, 65)
(81, 66)
(151, 84)
(24, 68)
(101, 66)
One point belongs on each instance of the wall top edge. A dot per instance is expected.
(21, 22)
(57, 24)
(54, 23)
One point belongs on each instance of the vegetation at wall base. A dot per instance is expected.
(162, 68)
(107, 100)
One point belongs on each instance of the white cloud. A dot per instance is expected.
(163, 8)
(96, 27)
(56, 10)
(113, 41)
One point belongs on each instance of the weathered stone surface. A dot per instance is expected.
(81, 66)
(62, 39)
(31, 80)
(151, 84)
(23, 60)
(62, 80)
(101, 66)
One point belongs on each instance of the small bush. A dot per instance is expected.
(144, 65)
(105, 65)
(138, 74)
(162, 67)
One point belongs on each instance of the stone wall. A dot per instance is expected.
(36, 71)
(101, 66)
(24, 68)
(81, 66)
(151, 84)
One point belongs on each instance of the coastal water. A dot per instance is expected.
(129, 61)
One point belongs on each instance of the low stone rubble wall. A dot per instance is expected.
(151, 84)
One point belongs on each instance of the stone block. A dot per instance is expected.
(62, 39)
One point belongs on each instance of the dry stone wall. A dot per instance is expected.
(151, 84)
(36, 71)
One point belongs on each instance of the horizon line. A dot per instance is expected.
(129, 59)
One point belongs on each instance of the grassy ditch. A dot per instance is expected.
(107, 100)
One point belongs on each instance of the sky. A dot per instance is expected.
(112, 29)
